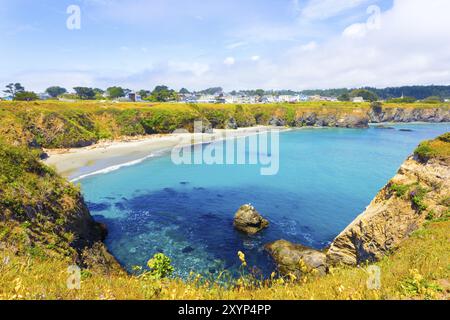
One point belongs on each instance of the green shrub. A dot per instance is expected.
(160, 266)
(417, 198)
(399, 189)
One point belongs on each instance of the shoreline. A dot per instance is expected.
(110, 155)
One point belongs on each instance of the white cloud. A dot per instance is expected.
(309, 46)
(196, 68)
(323, 9)
(236, 45)
(411, 46)
(356, 30)
(229, 61)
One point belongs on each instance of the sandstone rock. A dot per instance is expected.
(275, 121)
(248, 220)
(232, 124)
(353, 121)
(438, 114)
(390, 218)
(288, 257)
(333, 120)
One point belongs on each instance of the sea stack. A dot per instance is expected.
(249, 221)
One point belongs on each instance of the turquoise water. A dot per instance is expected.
(326, 178)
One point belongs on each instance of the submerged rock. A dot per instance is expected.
(187, 249)
(296, 259)
(248, 220)
(384, 127)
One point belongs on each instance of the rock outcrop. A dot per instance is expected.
(296, 259)
(418, 191)
(248, 220)
(438, 114)
(356, 120)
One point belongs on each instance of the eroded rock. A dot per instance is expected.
(248, 220)
(394, 214)
(296, 259)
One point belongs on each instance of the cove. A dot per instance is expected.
(326, 178)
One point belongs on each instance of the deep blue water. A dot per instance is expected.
(326, 178)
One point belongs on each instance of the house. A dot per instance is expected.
(207, 98)
(134, 97)
(44, 96)
(358, 99)
(315, 98)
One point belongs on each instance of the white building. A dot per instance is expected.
(358, 99)
(207, 98)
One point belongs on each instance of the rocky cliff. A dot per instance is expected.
(419, 191)
(398, 114)
(43, 215)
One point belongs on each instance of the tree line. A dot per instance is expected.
(162, 93)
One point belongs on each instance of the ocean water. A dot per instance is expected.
(326, 178)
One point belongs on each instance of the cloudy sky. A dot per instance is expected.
(236, 44)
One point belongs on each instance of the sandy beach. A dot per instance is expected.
(77, 163)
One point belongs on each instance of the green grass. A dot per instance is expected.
(438, 148)
(54, 124)
(420, 269)
(38, 209)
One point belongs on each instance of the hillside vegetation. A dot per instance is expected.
(53, 124)
(45, 225)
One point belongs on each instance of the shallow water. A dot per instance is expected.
(326, 178)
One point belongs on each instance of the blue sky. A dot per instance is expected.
(237, 44)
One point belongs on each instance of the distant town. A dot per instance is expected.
(410, 94)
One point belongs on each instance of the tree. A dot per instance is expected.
(433, 99)
(344, 97)
(402, 100)
(143, 93)
(84, 93)
(184, 91)
(376, 106)
(212, 91)
(366, 94)
(115, 92)
(13, 88)
(26, 96)
(163, 94)
(98, 91)
(55, 91)
(259, 92)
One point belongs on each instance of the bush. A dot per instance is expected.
(376, 106)
(160, 266)
(417, 198)
(399, 189)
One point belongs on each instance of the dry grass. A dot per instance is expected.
(420, 269)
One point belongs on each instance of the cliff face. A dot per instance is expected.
(41, 214)
(409, 115)
(419, 191)
(69, 125)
